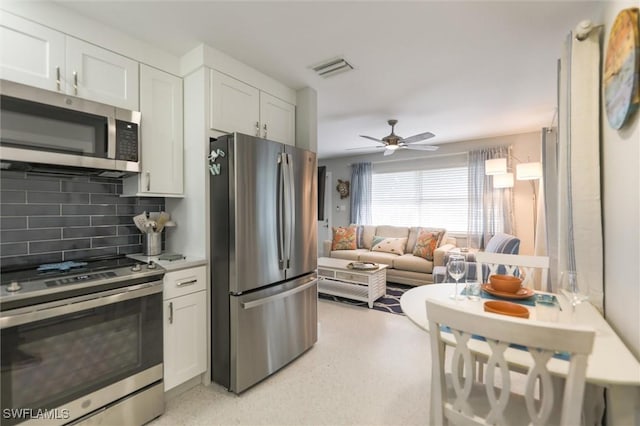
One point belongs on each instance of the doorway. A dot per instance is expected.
(324, 226)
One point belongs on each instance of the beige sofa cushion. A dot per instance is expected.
(392, 231)
(409, 262)
(348, 254)
(368, 232)
(378, 257)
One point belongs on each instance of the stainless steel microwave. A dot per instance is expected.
(40, 126)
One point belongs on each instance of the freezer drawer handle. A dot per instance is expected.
(183, 283)
(287, 293)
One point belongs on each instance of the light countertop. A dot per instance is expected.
(171, 265)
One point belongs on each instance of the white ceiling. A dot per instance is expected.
(462, 70)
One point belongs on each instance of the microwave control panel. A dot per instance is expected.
(126, 141)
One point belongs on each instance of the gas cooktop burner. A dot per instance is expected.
(43, 283)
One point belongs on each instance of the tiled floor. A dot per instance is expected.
(368, 368)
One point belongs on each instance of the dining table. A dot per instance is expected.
(611, 365)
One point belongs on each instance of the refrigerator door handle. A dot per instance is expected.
(292, 205)
(259, 302)
(288, 208)
(280, 214)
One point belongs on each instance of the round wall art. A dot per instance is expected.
(621, 68)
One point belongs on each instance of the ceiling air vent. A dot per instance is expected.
(332, 67)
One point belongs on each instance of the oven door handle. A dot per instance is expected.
(69, 306)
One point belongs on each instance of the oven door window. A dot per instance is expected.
(33, 125)
(50, 362)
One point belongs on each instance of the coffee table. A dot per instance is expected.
(337, 279)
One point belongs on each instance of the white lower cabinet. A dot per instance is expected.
(185, 330)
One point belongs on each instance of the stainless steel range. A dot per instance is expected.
(81, 342)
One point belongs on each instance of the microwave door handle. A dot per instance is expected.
(111, 138)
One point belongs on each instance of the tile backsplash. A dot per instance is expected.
(52, 217)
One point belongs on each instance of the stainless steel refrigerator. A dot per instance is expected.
(263, 258)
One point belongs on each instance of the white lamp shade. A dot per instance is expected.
(504, 180)
(529, 171)
(496, 166)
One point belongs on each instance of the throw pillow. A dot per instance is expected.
(344, 238)
(426, 244)
(389, 245)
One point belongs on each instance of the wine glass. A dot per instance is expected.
(457, 268)
(570, 286)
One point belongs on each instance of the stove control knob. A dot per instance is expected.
(136, 267)
(14, 286)
(151, 265)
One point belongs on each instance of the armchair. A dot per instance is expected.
(499, 243)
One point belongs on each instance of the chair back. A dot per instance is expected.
(531, 269)
(460, 404)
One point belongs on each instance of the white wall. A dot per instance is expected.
(621, 216)
(525, 146)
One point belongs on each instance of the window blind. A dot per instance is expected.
(429, 198)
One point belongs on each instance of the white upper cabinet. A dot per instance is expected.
(238, 107)
(101, 75)
(277, 119)
(30, 53)
(161, 130)
(235, 106)
(36, 55)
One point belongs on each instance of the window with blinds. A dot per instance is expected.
(430, 198)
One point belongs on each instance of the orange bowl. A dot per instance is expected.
(505, 283)
(506, 308)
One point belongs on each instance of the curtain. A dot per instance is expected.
(579, 231)
(361, 193)
(545, 245)
(322, 175)
(490, 210)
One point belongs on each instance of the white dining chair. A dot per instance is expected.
(459, 398)
(532, 269)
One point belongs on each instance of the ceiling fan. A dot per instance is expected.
(394, 142)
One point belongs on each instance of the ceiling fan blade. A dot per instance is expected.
(418, 138)
(365, 147)
(388, 152)
(421, 147)
(372, 138)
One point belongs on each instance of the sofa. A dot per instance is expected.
(405, 267)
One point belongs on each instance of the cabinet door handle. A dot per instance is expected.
(148, 175)
(258, 128)
(58, 78)
(183, 283)
(75, 83)
(265, 130)
(170, 312)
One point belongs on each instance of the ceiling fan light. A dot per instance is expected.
(392, 147)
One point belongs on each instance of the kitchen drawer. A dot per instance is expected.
(184, 281)
(348, 276)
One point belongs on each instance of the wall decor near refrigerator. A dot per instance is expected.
(263, 258)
